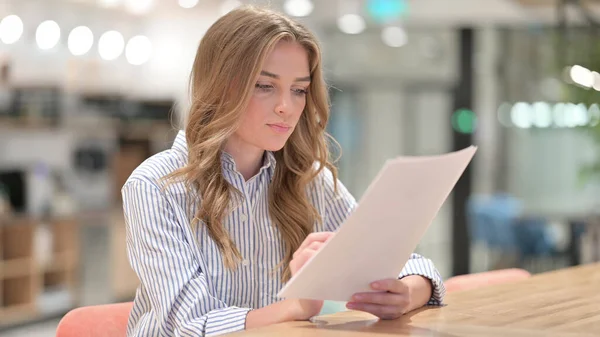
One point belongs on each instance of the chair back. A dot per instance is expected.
(108, 320)
(479, 280)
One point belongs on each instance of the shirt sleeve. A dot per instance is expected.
(338, 206)
(419, 265)
(179, 301)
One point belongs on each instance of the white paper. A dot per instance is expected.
(377, 239)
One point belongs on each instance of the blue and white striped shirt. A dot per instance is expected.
(185, 288)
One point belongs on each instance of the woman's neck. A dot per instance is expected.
(248, 159)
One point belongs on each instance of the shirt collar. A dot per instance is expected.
(269, 161)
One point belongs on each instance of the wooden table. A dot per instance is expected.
(560, 303)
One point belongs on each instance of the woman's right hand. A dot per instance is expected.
(305, 309)
(292, 309)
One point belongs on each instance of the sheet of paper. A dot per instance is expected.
(377, 239)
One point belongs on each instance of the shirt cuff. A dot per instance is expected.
(424, 267)
(226, 320)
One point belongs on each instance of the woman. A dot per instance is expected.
(220, 221)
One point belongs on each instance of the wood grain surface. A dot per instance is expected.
(562, 303)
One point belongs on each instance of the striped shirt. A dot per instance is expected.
(185, 288)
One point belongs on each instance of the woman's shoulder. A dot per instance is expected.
(325, 182)
(325, 177)
(156, 168)
(329, 183)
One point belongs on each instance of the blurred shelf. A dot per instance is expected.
(139, 127)
(62, 262)
(16, 314)
(15, 268)
(34, 283)
(27, 123)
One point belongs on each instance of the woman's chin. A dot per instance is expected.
(274, 147)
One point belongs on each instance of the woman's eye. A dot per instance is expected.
(301, 92)
(263, 87)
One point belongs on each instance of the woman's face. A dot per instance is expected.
(278, 99)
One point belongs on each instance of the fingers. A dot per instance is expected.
(382, 298)
(392, 285)
(314, 237)
(309, 247)
(390, 301)
(305, 255)
(301, 258)
(381, 311)
(314, 246)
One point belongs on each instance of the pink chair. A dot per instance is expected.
(478, 280)
(108, 320)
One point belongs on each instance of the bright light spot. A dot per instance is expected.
(11, 29)
(138, 50)
(229, 5)
(139, 7)
(298, 8)
(581, 115)
(581, 76)
(504, 114)
(351, 23)
(464, 121)
(394, 36)
(387, 10)
(109, 3)
(559, 113)
(80, 40)
(167, 52)
(111, 45)
(188, 3)
(520, 115)
(596, 84)
(594, 113)
(542, 117)
(47, 34)
(569, 116)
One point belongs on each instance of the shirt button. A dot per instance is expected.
(243, 217)
(245, 263)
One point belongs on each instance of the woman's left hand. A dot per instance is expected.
(394, 297)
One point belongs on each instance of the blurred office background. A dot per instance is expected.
(90, 88)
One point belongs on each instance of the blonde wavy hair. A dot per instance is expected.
(227, 65)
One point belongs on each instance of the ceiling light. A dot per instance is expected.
(138, 50)
(80, 40)
(111, 45)
(47, 34)
(188, 3)
(11, 29)
(351, 23)
(582, 76)
(109, 3)
(596, 84)
(298, 8)
(139, 7)
(394, 36)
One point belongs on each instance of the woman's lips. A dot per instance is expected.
(280, 128)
